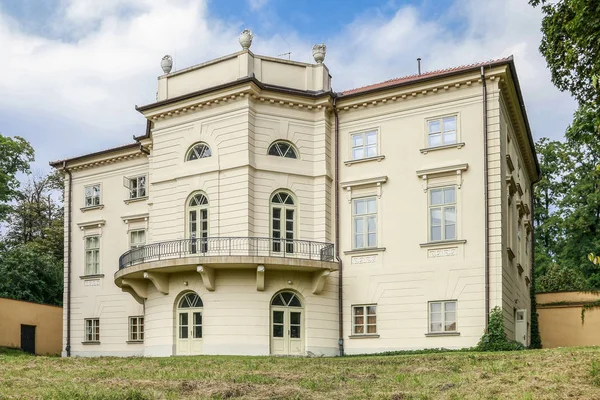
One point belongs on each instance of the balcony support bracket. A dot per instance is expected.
(318, 281)
(260, 278)
(208, 277)
(160, 281)
(139, 286)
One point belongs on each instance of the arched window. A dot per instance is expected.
(286, 299)
(283, 221)
(197, 151)
(197, 222)
(189, 324)
(190, 300)
(282, 149)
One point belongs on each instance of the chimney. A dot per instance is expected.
(419, 64)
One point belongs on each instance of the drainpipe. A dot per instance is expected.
(68, 347)
(337, 228)
(485, 202)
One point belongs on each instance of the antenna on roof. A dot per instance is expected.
(419, 65)
(289, 52)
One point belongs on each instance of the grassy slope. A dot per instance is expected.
(542, 374)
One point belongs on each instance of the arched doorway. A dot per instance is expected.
(189, 325)
(287, 324)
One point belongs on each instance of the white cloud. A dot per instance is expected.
(87, 87)
(256, 5)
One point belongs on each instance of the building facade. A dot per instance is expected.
(263, 213)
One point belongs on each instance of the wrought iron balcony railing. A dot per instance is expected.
(228, 246)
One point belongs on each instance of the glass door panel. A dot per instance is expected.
(197, 331)
(278, 324)
(183, 325)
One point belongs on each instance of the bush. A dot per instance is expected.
(495, 338)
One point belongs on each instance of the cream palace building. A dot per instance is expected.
(264, 213)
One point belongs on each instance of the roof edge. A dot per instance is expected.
(61, 163)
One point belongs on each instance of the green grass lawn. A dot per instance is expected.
(537, 374)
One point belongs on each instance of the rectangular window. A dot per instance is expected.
(92, 330)
(137, 187)
(136, 329)
(442, 131)
(92, 255)
(442, 316)
(364, 223)
(364, 320)
(92, 195)
(442, 214)
(137, 238)
(364, 144)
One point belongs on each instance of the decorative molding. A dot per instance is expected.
(135, 217)
(110, 160)
(520, 268)
(511, 253)
(510, 183)
(365, 336)
(363, 259)
(526, 207)
(446, 146)
(90, 208)
(260, 278)
(135, 200)
(365, 251)
(362, 160)
(90, 343)
(434, 334)
(318, 281)
(437, 253)
(519, 189)
(92, 224)
(442, 243)
(139, 286)
(378, 181)
(134, 341)
(509, 163)
(91, 282)
(457, 169)
(520, 207)
(208, 277)
(160, 281)
(95, 276)
(527, 280)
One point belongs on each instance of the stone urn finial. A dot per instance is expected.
(319, 51)
(246, 39)
(166, 64)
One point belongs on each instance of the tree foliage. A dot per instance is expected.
(571, 46)
(567, 207)
(494, 339)
(15, 155)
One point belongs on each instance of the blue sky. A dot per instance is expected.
(73, 70)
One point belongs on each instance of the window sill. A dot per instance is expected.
(135, 342)
(446, 146)
(364, 251)
(434, 334)
(368, 336)
(90, 343)
(361, 160)
(135, 200)
(442, 243)
(95, 276)
(90, 208)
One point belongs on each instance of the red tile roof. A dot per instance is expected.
(425, 75)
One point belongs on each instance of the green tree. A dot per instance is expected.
(15, 155)
(571, 46)
(29, 273)
(580, 203)
(561, 279)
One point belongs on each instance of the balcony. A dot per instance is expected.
(155, 261)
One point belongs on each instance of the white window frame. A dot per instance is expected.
(205, 154)
(365, 324)
(92, 329)
(94, 267)
(276, 145)
(93, 198)
(442, 207)
(136, 321)
(442, 132)
(136, 193)
(281, 244)
(363, 134)
(365, 218)
(135, 244)
(442, 313)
